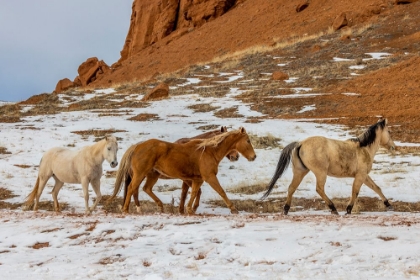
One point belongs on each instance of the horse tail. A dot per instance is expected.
(126, 184)
(30, 198)
(123, 171)
(281, 166)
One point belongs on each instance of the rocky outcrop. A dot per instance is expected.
(158, 92)
(402, 2)
(90, 70)
(351, 18)
(152, 20)
(63, 85)
(302, 6)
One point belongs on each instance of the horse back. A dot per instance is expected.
(335, 157)
(67, 165)
(174, 160)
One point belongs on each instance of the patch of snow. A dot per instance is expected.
(357, 66)
(307, 108)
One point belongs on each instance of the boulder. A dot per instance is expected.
(158, 92)
(91, 69)
(340, 21)
(63, 85)
(279, 76)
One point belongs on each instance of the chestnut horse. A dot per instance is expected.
(196, 161)
(328, 157)
(232, 156)
(81, 166)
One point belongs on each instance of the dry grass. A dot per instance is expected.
(144, 117)
(231, 112)
(253, 189)
(363, 204)
(203, 108)
(147, 207)
(99, 134)
(4, 150)
(264, 142)
(10, 113)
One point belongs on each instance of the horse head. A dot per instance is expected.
(386, 140)
(110, 150)
(244, 146)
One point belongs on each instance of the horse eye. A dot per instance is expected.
(109, 149)
(249, 141)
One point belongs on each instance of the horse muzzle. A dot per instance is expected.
(233, 158)
(114, 164)
(252, 158)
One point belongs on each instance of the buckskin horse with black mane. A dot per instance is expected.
(329, 157)
(196, 161)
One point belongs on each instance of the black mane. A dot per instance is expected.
(369, 136)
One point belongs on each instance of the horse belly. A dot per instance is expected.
(65, 169)
(342, 168)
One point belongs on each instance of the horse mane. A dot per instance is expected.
(369, 136)
(216, 140)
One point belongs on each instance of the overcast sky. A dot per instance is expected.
(44, 41)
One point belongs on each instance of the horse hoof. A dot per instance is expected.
(390, 208)
(234, 211)
(334, 212)
(285, 212)
(138, 209)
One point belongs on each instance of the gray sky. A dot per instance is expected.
(44, 41)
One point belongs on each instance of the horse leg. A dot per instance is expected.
(85, 188)
(132, 187)
(320, 184)
(184, 193)
(298, 175)
(357, 184)
(197, 200)
(151, 180)
(96, 185)
(196, 185)
(42, 182)
(371, 184)
(214, 183)
(55, 190)
(136, 200)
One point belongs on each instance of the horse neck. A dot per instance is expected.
(374, 147)
(227, 145)
(96, 151)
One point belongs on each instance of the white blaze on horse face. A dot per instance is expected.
(111, 150)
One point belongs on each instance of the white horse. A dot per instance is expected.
(83, 166)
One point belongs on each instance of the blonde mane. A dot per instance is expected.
(216, 140)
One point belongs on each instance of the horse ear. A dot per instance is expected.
(242, 129)
(383, 120)
(223, 129)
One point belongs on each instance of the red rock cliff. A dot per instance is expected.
(152, 20)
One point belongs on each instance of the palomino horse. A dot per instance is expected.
(329, 157)
(232, 156)
(196, 161)
(67, 166)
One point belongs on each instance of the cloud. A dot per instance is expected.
(44, 41)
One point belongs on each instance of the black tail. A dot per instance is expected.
(126, 184)
(281, 166)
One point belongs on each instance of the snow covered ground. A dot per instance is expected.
(214, 244)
